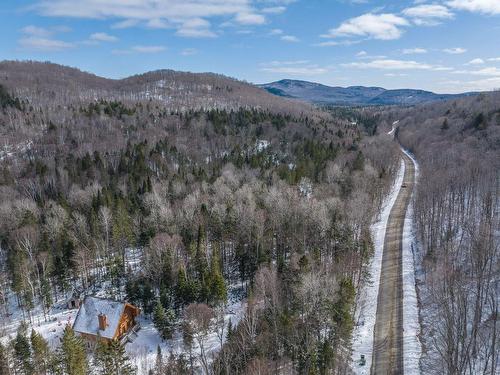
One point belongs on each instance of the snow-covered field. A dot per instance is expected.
(367, 298)
(412, 348)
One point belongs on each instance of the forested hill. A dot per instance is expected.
(56, 84)
(182, 193)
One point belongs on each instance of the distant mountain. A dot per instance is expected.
(353, 95)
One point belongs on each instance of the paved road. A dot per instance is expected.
(388, 335)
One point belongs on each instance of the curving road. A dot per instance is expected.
(388, 332)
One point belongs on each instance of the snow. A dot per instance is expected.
(261, 145)
(305, 187)
(143, 350)
(87, 322)
(51, 328)
(367, 299)
(393, 127)
(412, 348)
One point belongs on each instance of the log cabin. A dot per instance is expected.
(104, 319)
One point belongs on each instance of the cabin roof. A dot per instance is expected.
(87, 318)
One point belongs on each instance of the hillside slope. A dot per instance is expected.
(46, 82)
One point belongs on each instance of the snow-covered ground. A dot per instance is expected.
(367, 298)
(412, 348)
(51, 328)
(143, 350)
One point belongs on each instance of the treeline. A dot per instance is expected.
(30, 354)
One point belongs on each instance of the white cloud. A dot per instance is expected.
(477, 61)
(189, 52)
(125, 24)
(44, 44)
(478, 6)
(332, 43)
(103, 37)
(388, 64)
(361, 53)
(290, 38)
(196, 28)
(274, 10)
(296, 68)
(40, 39)
(413, 51)
(36, 31)
(428, 14)
(276, 32)
(158, 23)
(148, 49)
(455, 50)
(489, 71)
(139, 49)
(384, 26)
(485, 84)
(165, 13)
(250, 18)
(494, 59)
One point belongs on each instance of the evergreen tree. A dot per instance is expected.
(229, 329)
(41, 353)
(326, 357)
(158, 370)
(445, 125)
(218, 291)
(111, 359)
(73, 356)
(22, 353)
(4, 361)
(163, 320)
(159, 317)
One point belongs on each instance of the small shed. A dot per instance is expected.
(75, 300)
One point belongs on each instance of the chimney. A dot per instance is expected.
(103, 321)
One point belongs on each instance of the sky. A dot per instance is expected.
(445, 46)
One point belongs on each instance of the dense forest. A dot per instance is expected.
(214, 184)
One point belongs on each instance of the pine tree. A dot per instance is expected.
(72, 353)
(4, 361)
(169, 323)
(111, 359)
(163, 320)
(159, 317)
(158, 370)
(445, 125)
(41, 353)
(229, 329)
(218, 291)
(22, 353)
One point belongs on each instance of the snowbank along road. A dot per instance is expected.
(388, 333)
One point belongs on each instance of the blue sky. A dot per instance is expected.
(442, 45)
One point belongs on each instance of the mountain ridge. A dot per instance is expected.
(318, 93)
